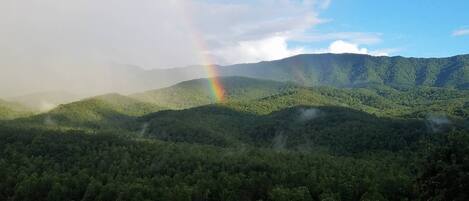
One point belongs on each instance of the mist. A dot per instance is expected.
(90, 47)
(308, 114)
(437, 123)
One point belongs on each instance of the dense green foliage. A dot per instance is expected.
(445, 171)
(417, 102)
(269, 141)
(337, 129)
(44, 165)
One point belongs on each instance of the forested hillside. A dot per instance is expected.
(338, 70)
(198, 92)
(336, 129)
(345, 70)
(268, 141)
(77, 166)
(110, 110)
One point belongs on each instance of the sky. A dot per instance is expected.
(164, 34)
(417, 28)
(43, 40)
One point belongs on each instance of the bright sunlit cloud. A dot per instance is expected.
(272, 48)
(340, 46)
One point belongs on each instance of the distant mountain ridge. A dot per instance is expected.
(338, 70)
(348, 70)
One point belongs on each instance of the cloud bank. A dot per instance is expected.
(78, 45)
(149, 33)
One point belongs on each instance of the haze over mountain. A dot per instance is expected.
(12, 110)
(45, 101)
(341, 70)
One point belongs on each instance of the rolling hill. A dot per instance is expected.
(393, 118)
(198, 92)
(380, 100)
(11, 110)
(264, 96)
(100, 111)
(248, 97)
(338, 129)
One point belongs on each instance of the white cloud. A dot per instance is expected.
(257, 50)
(340, 46)
(461, 32)
(252, 32)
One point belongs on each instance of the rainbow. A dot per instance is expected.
(218, 92)
(216, 87)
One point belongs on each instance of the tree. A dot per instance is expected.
(446, 170)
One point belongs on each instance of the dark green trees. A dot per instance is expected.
(446, 171)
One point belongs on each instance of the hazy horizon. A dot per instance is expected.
(112, 78)
(83, 46)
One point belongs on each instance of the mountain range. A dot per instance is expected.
(348, 70)
(308, 127)
(338, 70)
